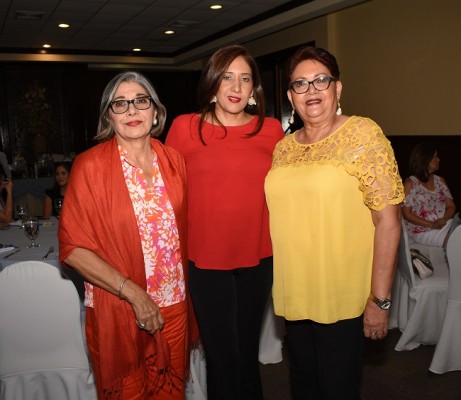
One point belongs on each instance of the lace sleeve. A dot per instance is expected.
(361, 148)
(379, 177)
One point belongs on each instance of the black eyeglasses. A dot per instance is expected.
(121, 106)
(302, 86)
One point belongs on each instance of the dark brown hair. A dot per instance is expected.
(312, 53)
(420, 158)
(67, 165)
(212, 76)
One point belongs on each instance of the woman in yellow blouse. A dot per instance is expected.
(333, 194)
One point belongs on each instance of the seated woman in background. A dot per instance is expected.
(62, 172)
(429, 207)
(6, 198)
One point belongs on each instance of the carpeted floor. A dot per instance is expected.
(387, 375)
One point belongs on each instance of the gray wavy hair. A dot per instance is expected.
(105, 129)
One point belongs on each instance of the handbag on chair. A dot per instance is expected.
(421, 264)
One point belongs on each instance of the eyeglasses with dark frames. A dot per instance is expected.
(302, 86)
(121, 106)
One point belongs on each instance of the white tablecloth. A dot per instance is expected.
(15, 235)
(47, 237)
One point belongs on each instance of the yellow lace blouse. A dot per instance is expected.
(319, 197)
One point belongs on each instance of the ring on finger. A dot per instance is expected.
(142, 325)
(373, 334)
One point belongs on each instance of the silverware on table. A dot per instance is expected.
(50, 250)
(9, 255)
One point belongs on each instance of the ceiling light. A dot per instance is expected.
(64, 26)
(46, 46)
(137, 49)
(169, 32)
(216, 7)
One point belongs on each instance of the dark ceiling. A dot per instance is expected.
(116, 27)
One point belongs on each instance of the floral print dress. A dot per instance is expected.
(425, 203)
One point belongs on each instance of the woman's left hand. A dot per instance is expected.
(147, 312)
(387, 235)
(375, 321)
(439, 223)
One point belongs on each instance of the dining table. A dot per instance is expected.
(13, 237)
(14, 247)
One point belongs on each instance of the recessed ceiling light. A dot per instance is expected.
(64, 26)
(169, 32)
(46, 46)
(137, 49)
(216, 7)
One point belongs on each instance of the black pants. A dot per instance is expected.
(229, 306)
(325, 359)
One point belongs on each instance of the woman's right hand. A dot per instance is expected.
(147, 312)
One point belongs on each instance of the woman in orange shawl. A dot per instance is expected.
(123, 227)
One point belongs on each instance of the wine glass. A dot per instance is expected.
(31, 230)
(58, 205)
(21, 212)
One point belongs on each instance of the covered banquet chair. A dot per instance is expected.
(421, 303)
(447, 355)
(42, 350)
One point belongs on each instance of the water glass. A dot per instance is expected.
(31, 229)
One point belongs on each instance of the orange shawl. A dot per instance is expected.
(98, 215)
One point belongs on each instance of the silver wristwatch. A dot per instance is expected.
(383, 304)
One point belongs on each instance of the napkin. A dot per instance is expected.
(6, 249)
(16, 223)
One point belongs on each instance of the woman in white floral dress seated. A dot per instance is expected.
(429, 207)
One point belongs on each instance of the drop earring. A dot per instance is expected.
(338, 110)
(155, 122)
(214, 100)
(292, 118)
(251, 101)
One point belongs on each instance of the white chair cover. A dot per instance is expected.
(196, 384)
(447, 355)
(42, 352)
(271, 337)
(421, 302)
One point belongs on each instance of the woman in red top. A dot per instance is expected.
(228, 151)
